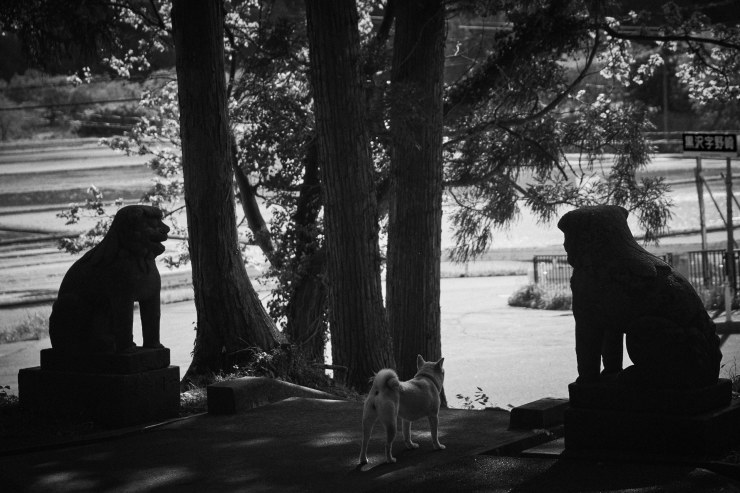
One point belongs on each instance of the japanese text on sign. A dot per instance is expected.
(710, 144)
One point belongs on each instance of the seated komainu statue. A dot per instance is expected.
(94, 309)
(620, 288)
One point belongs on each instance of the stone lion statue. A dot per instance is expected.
(619, 288)
(94, 309)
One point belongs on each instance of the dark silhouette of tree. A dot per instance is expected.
(360, 337)
(231, 318)
(415, 196)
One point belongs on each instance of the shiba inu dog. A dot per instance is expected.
(411, 400)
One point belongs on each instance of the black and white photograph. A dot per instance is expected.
(370, 246)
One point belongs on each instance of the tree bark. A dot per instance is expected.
(306, 314)
(230, 316)
(415, 208)
(360, 337)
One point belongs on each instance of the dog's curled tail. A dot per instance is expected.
(386, 379)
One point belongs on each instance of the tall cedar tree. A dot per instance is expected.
(230, 316)
(358, 325)
(415, 209)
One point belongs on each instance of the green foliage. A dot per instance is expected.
(33, 327)
(541, 297)
(714, 298)
(7, 400)
(545, 162)
(479, 399)
(194, 401)
(285, 363)
(733, 373)
(68, 110)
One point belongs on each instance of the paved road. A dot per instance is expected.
(515, 355)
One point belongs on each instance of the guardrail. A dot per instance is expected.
(703, 269)
(708, 268)
(552, 271)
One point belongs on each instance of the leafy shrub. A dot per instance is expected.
(541, 297)
(714, 298)
(479, 399)
(32, 328)
(285, 363)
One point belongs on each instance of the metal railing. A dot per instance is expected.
(708, 268)
(552, 271)
(705, 269)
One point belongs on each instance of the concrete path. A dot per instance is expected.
(306, 445)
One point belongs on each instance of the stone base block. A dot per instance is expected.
(137, 360)
(706, 434)
(542, 413)
(108, 400)
(241, 394)
(621, 398)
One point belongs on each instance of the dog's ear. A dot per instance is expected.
(419, 361)
(438, 364)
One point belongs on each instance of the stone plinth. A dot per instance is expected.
(542, 413)
(692, 423)
(137, 361)
(661, 401)
(246, 393)
(112, 390)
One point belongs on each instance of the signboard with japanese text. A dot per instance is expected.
(709, 144)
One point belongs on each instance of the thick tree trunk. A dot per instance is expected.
(359, 331)
(415, 209)
(230, 315)
(306, 325)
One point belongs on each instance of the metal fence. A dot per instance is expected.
(552, 271)
(707, 268)
(704, 269)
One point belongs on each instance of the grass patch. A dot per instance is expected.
(33, 327)
(541, 297)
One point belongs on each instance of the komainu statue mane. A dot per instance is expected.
(620, 288)
(94, 309)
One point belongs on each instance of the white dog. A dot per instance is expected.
(411, 400)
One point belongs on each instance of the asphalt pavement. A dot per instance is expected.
(307, 445)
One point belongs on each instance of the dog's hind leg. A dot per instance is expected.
(368, 421)
(433, 422)
(390, 435)
(407, 435)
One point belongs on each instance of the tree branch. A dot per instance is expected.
(536, 145)
(232, 64)
(688, 38)
(511, 122)
(251, 209)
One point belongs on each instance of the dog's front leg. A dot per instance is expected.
(433, 422)
(407, 435)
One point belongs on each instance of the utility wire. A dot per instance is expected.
(63, 105)
(91, 82)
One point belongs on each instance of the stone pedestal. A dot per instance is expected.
(692, 423)
(542, 413)
(112, 390)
